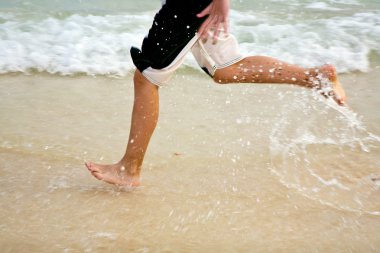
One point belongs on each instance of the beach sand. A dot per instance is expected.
(235, 168)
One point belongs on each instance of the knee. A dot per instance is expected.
(220, 78)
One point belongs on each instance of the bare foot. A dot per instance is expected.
(337, 92)
(113, 174)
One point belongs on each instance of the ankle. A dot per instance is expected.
(312, 77)
(320, 76)
(130, 167)
(326, 71)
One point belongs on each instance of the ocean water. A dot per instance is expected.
(94, 37)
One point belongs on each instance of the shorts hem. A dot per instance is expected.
(157, 83)
(229, 63)
(161, 77)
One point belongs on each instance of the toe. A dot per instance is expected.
(342, 101)
(338, 99)
(92, 167)
(97, 175)
(88, 165)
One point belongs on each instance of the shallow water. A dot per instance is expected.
(94, 37)
(235, 168)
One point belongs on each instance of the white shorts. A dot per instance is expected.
(209, 56)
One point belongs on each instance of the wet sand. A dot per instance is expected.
(238, 168)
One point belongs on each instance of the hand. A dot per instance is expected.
(217, 12)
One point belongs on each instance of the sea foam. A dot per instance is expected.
(322, 6)
(76, 44)
(99, 45)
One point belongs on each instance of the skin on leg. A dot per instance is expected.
(263, 69)
(144, 121)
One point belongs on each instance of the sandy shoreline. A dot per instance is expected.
(219, 194)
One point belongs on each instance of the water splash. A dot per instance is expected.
(325, 152)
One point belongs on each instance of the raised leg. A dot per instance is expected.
(144, 120)
(263, 69)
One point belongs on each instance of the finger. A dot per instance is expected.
(216, 33)
(205, 12)
(214, 21)
(203, 30)
(226, 27)
(207, 31)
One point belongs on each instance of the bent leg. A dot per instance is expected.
(144, 120)
(263, 69)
